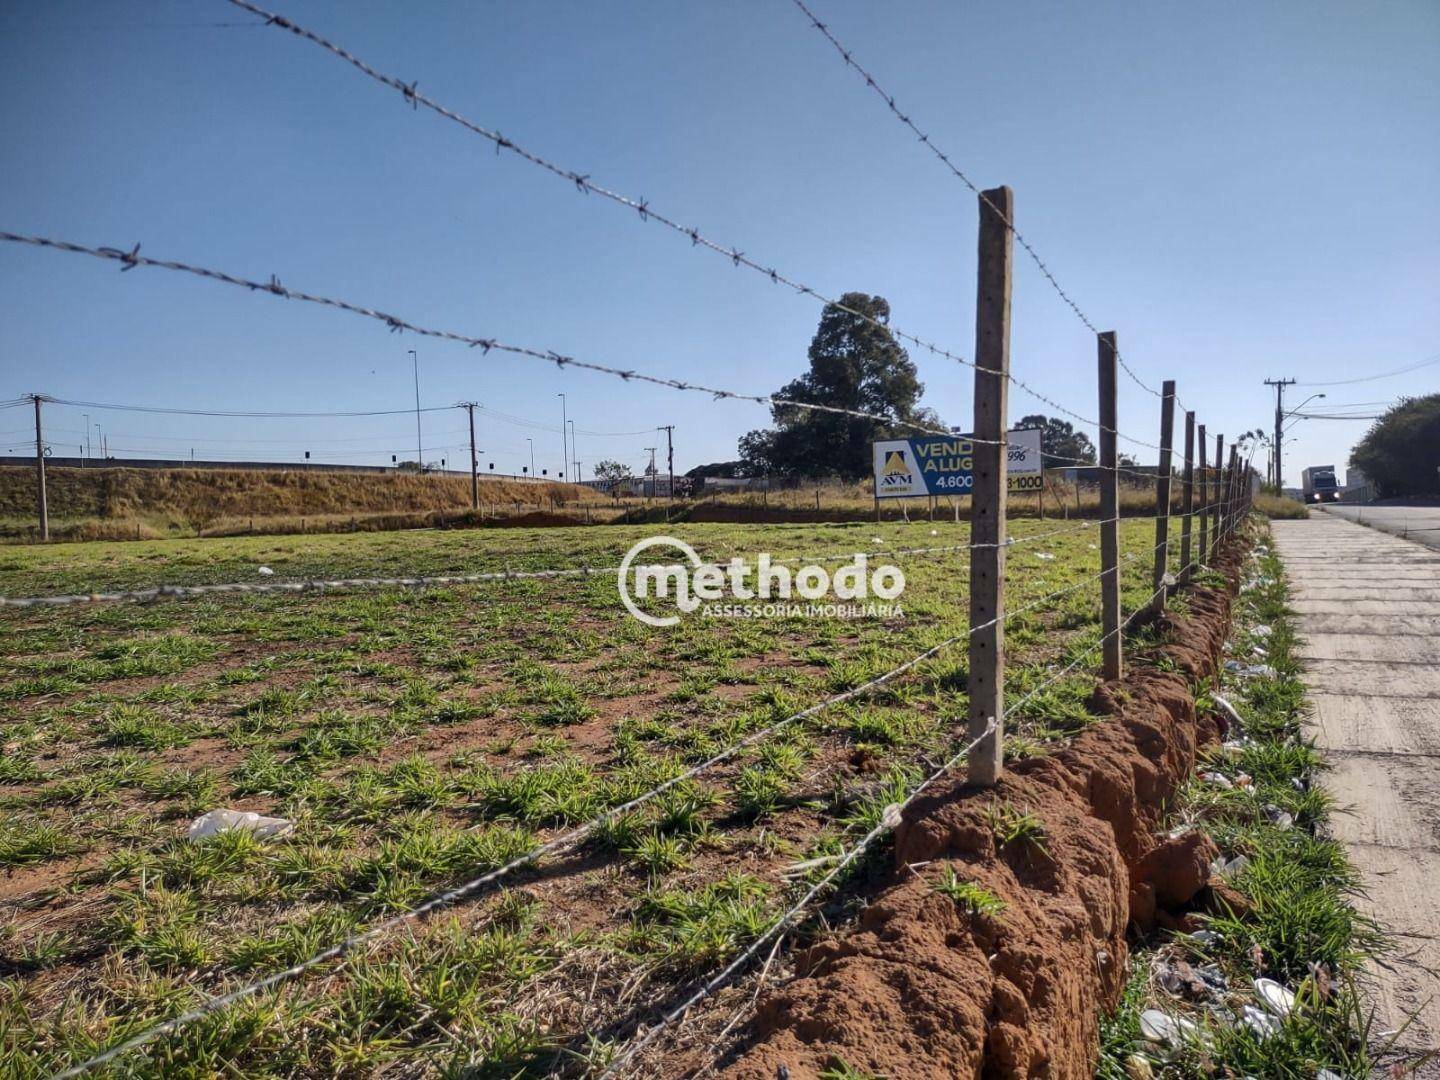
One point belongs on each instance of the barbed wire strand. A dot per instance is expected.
(335, 584)
(132, 258)
(945, 159)
(647, 213)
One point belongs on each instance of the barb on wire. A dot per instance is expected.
(395, 323)
(959, 174)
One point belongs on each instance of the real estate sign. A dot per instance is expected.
(943, 465)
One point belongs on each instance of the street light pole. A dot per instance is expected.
(564, 439)
(531, 441)
(419, 449)
(573, 463)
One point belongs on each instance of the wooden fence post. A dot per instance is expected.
(1203, 550)
(1187, 495)
(1162, 493)
(1109, 511)
(1233, 503)
(996, 250)
(1219, 494)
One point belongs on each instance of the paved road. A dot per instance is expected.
(1419, 523)
(1369, 613)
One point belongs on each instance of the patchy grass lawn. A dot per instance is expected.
(418, 738)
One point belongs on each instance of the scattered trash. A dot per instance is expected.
(1173, 1031)
(1233, 746)
(222, 821)
(1327, 1074)
(1276, 816)
(1180, 979)
(890, 816)
(1220, 780)
(1205, 937)
(1260, 1022)
(876, 540)
(1243, 780)
(1223, 867)
(1261, 631)
(1228, 709)
(934, 532)
(265, 571)
(1250, 671)
(1275, 997)
(1044, 555)
(1137, 1067)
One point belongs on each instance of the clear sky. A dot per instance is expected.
(1239, 190)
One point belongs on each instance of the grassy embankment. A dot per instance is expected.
(1295, 924)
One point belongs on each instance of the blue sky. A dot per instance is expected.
(1240, 191)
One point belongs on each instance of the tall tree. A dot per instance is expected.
(1401, 451)
(854, 364)
(1061, 446)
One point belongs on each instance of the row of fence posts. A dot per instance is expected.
(1213, 499)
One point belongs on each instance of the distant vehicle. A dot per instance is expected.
(1318, 485)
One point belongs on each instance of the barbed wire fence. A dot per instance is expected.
(1214, 500)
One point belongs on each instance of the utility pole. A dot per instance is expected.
(1279, 385)
(419, 449)
(669, 430)
(469, 406)
(564, 439)
(87, 436)
(41, 506)
(574, 465)
(531, 441)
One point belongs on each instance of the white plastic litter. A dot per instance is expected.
(1261, 631)
(222, 821)
(1160, 1027)
(265, 571)
(890, 816)
(1228, 710)
(1205, 937)
(1274, 997)
(1250, 671)
(1276, 816)
(1224, 867)
(1220, 780)
(1260, 1022)
(1327, 1074)
(876, 540)
(1044, 555)
(934, 532)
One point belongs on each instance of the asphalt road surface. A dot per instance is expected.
(1419, 523)
(1369, 612)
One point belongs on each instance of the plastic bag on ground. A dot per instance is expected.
(221, 821)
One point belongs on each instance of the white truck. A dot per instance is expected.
(1317, 484)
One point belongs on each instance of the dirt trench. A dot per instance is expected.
(923, 988)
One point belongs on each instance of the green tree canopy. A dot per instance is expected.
(1061, 446)
(1401, 451)
(854, 364)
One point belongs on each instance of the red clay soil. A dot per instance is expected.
(923, 988)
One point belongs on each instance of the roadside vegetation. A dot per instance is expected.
(1285, 912)
(416, 738)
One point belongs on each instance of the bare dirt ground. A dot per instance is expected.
(1369, 610)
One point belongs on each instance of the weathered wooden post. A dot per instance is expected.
(996, 249)
(1162, 493)
(1203, 552)
(1187, 495)
(1109, 511)
(1219, 495)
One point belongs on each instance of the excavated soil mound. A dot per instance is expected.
(923, 987)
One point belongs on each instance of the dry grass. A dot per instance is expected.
(99, 504)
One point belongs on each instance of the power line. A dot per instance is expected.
(132, 258)
(1383, 375)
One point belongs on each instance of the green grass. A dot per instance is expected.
(1298, 884)
(418, 738)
